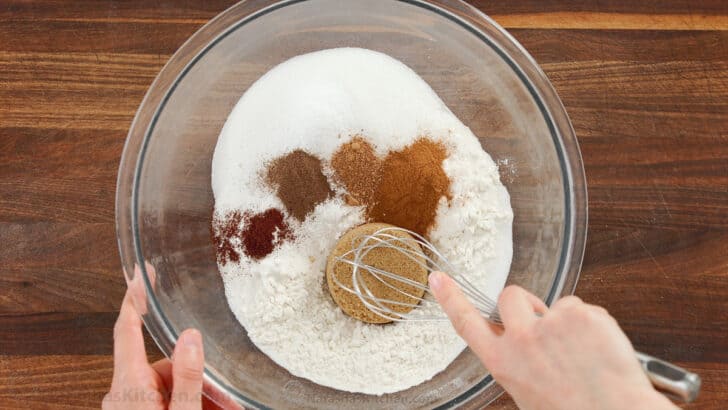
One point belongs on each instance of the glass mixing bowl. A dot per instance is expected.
(164, 198)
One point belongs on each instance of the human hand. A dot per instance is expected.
(165, 384)
(574, 356)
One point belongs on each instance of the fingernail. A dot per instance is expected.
(435, 280)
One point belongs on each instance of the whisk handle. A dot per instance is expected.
(670, 379)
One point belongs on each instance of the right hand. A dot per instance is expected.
(574, 356)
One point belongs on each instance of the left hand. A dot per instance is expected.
(164, 384)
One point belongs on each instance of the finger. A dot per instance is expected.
(129, 353)
(538, 305)
(516, 308)
(163, 367)
(603, 315)
(151, 273)
(466, 320)
(215, 399)
(138, 286)
(598, 310)
(187, 365)
(567, 302)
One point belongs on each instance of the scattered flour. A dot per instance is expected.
(316, 102)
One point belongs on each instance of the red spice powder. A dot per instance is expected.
(224, 229)
(259, 234)
(263, 232)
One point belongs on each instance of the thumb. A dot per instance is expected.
(188, 363)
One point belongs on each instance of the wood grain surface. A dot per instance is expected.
(645, 84)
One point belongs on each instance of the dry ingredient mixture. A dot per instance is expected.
(326, 142)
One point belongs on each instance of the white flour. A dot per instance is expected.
(316, 102)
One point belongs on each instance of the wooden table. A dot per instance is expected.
(645, 84)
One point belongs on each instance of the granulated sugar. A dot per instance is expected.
(316, 103)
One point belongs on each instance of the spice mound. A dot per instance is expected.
(411, 186)
(299, 182)
(386, 259)
(403, 188)
(357, 167)
(255, 234)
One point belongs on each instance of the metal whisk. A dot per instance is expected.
(672, 380)
(422, 252)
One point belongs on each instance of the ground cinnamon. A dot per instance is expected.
(403, 189)
(411, 185)
(299, 182)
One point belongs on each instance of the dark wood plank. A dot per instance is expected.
(622, 14)
(602, 46)
(64, 381)
(99, 91)
(158, 12)
(59, 175)
(38, 334)
(716, 7)
(203, 10)
(59, 267)
(199, 12)
(94, 36)
(676, 315)
(676, 87)
(611, 21)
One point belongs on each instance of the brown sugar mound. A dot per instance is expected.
(382, 258)
(299, 182)
(411, 185)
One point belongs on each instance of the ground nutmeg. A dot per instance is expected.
(299, 182)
